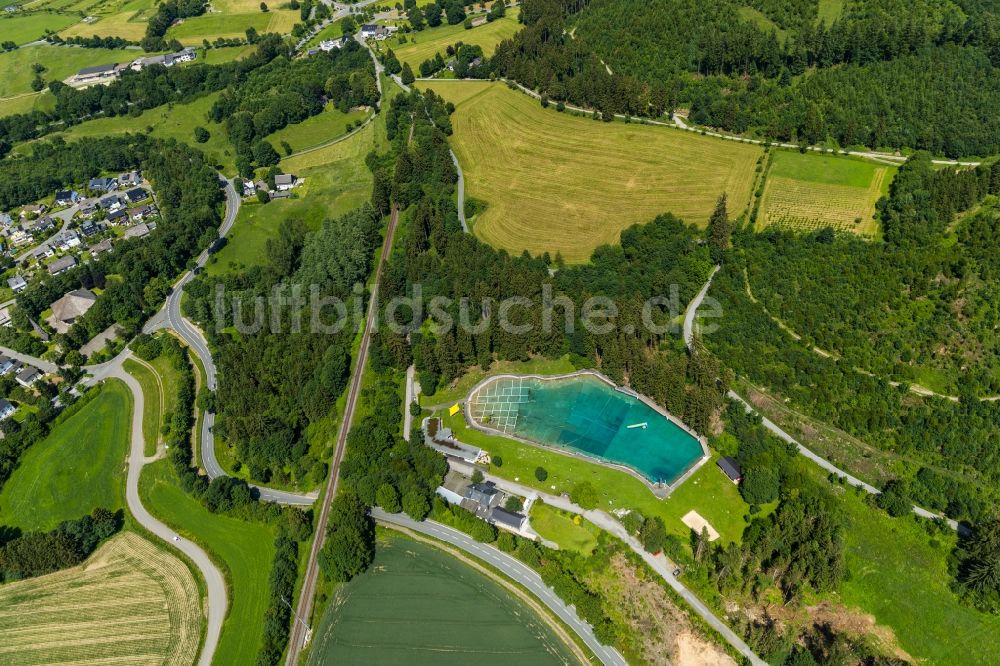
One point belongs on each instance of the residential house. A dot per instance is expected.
(117, 217)
(69, 308)
(331, 44)
(5, 316)
(61, 265)
(167, 60)
(42, 253)
(731, 468)
(6, 220)
(28, 376)
(66, 241)
(103, 184)
(284, 182)
(6, 409)
(138, 231)
(67, 197)
(248, 187)
(6, 364)
(114, 202)
(485, 494)
(261, 186)
(19, 237)
(103, 246)
(376, 32)
(510, 520)
(89, 228)
(136, 194)
(139, 212)
(88, 210)
(130, 179)
(42, 225)
(17, 283)
(33, 209)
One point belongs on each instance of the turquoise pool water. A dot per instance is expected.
(587, 415)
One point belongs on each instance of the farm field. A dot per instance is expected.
(560, 183)
(131, 602)
(80, 466)
(175, 121)
(336, 181)
(417, 605)
(420, 46)
(223, 55)
(708, 491)
(243, 550)
(900, 575)
(59, 62)
(316, 130)
(26, 28)
(807, 192)
(114, 18)
(26, 103)
(211, 26)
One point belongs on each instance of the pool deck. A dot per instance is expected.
(661, 490)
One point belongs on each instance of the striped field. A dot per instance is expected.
(130, 603)
(556, 182)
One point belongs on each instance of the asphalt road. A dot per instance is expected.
(689, 319)
(215, 583)
(513, 569)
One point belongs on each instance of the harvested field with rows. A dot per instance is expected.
(131, 602)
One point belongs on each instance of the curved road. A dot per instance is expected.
(511, 568)
(215, 583)
(689, 322)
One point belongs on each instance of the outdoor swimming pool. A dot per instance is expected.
(584, 413)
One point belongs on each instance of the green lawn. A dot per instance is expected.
(420, 46)
(59, 62)
(115, 18)
(80, 466)
(175, 121)
(336, 181)
(316, 130)
(25, 28)
(459, 389)
(707, 491)
(211, 26)
(902, 578)
(559, 526)
(224, 54)
(244, 550)
(153, 418)
(26, 103)
(332, 31)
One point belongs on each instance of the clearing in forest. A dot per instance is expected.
(557, 182)
(809, 192)
(131, 602)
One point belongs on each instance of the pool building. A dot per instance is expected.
(586, 414)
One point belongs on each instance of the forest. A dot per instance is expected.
(285, 92)
(188, 195)
(816, 83)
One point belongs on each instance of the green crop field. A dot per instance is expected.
(336, 181)
(80, 466)
(211, 26)
(418, 605)
(130, 602)
(562, 527)
(708, 491)
(900, 575)
(59, 62)
(243, 550)
(317, 130)
(420, 46)
(807, 192)
(176, 121)
(113, 18)
(559, 183)
(25, 28)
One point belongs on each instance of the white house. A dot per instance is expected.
(6, 409)
(284, 182)
(17, 283)
(66, 240)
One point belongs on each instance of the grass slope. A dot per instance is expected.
(806, 192)
(59, 62)
(555, 182)
(316, 130)
(113, 18)
(25, 28)
(193, 31)
(560, 527)
(420, 46)
(131, 602)
(80, 466)
(155, 415)
(244, 550)
(417, 605)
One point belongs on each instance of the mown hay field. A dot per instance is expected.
(560, 183)
(419, 46)
(808, 192)
(418, 605)
(114, 18)
(211, 26)
(131, 602)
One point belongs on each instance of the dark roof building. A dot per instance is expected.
(485, 494)
(731, 468)
(137, 194)
(510, 519)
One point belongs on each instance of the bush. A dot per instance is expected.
(541, 474)
(585, 494)
(497, 461)
(201, 135)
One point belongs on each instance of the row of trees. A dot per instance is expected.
(69, 544)
(166, 13)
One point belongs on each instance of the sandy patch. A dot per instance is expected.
(694, 520)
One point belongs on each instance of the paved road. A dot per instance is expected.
(513, 569)
(308, 591)
(410, 398)
(214, 581)
(30, 360)
(659, 564)
(461, 191)
(689, 321)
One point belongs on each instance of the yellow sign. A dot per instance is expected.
(454, 409)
